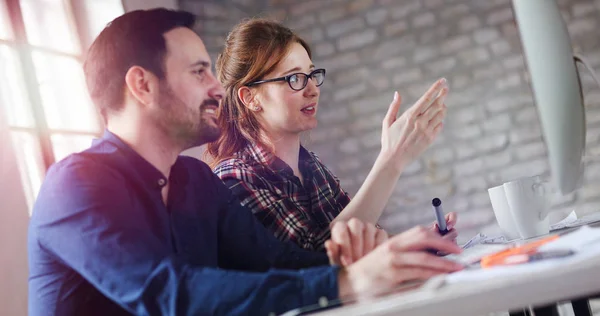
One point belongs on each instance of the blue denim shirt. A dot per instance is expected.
(102, 242)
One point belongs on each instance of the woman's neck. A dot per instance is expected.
(288, 150)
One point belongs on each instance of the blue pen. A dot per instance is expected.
(439, 216)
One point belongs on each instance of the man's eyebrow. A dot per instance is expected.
(203, 63)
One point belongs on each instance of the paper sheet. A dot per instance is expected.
(483, 239)
(585, 241)
(571, 218)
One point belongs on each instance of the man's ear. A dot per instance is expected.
(141, 84)
(248, 98)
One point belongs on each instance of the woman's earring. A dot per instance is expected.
(256, 108)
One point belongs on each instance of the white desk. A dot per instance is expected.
(577, 280)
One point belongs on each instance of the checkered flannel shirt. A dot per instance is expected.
(292, 211)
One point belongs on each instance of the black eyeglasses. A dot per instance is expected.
(297, 81)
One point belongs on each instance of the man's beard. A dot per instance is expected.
(182, 124)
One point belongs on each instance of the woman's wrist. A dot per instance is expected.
(388, 162)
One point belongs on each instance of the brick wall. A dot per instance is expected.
(373, 47)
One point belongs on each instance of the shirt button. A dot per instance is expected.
(161, 182)
(323, 301)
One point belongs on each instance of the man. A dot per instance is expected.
(130, 227)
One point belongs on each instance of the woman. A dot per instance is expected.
(272, 94)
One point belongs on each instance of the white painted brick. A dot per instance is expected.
(323, 134)
(368, 122)
(459, 81)
(395, 28)
(468, 168)
(434, 36)
(455, 44)
(305, 7)
(500, 16)
(500, 47)
(498, 160)
(413, 168)
(482, 199)
(350, 76)
(378, 103)
(302, 22)
(329, 15)
(524, 169)
(392, 48)
(584, 8)
(514, 62)
(465, 151)
(423, 54)
(441, 67)
(528, 114)
(434, 4)
(582, 26)
(491, 143)
(498, 123)
(380, 83)
(357, 6)
(466, 131)
(467, 115)
(423, 20)
(323, 49)
(487, 71)
(313, 35)
(350, 92)
(341, 61)
(530, 151)
(510, 81)
(441, 156)
(333, 113)
(592, 172)
(376, 17)
(475, 218)
(525, 134)
(469, 23)
(346, 26)
(371, 139)
(470, 185)
(349, 146)
(407, 76)
(485, 35)
(453, 11)
(509, 102)
(405, 9)
(474, 56)
(394, 62)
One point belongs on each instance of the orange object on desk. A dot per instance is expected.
(498, 258)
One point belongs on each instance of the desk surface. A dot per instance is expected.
(571, 281)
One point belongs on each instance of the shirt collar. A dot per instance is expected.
(266, 158)
(141, 166)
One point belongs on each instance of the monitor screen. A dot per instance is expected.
(556, 88)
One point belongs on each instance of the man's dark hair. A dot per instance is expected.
(133, 39)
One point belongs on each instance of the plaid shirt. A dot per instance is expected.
(292, 211)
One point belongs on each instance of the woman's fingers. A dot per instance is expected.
(429, 97)
(392, 113)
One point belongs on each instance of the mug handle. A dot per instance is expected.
(542, 188)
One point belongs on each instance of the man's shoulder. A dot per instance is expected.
(91, 163)
(195, 166)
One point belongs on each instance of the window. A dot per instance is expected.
(43, 96)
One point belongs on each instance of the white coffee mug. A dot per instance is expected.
(527, 199)
(502, 212)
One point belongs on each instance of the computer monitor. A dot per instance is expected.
(556, 88)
